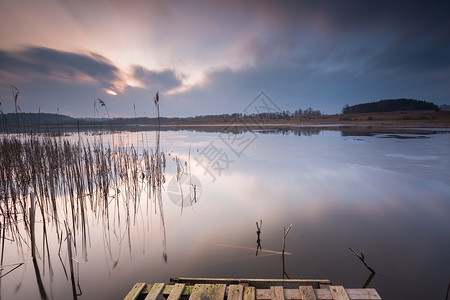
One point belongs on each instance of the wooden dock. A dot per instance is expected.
(247, 289)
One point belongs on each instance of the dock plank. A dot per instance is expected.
(210, 291)
(338, 292)
(322, 294)
(235, 292)
(155, 291)
(276, 293)
(366, 294)
(249, 293)
(135, 291)
(257, 283)
(307, 293)
(176, 292)
(244, 290)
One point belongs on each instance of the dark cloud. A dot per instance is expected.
(414, 33)
(37, 62)
(425, 55)
(156, 80)
(348, 51)
(334, 17)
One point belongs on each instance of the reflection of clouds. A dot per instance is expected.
(302, 169)
(336, 195)
(318, 184)
(413, 157)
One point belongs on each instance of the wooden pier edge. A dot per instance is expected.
(248, 289)
(257, 283)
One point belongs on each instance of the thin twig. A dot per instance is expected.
(285, 232)
(17, 266)
(258, 239)
(258, 227)
(361, 257)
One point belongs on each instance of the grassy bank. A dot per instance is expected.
(401, 118)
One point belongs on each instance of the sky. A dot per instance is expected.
(214, 57)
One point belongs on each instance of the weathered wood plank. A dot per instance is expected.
(176, 292)
(321, 294)
(258, 283)
(252, 293)
(135, 291)
(249, 293)
(324, 285)
(363, 294)
(235, 292)
(210, 291)
(155, 291)
(292, 293)
(307, 293)
(276, 293)
(338, 292)
(168, 289)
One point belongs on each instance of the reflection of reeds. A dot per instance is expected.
(159, 163)
(285, 232)
(33, 249)
(60, 181)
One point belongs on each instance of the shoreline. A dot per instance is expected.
(402, 121)
(417, 121)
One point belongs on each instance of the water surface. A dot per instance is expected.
(385, 194)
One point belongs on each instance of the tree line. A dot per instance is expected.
(390, 105)
(265, 115)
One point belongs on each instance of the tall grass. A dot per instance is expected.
(65, 180)
(56, 182)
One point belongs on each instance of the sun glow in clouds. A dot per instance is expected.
(188, 82)
(110, 92)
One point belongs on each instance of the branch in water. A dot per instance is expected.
(361, 257)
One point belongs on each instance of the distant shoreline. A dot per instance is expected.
(400, 121)
(430, 119)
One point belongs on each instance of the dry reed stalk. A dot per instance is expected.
(285, 232)
(61, 175)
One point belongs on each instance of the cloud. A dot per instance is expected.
(163, 80)
(216, 57)
(427, 54)
(49, 78)
(40, 63)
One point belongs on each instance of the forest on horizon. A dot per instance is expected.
(389, 105)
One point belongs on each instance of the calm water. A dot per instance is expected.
(387, 195)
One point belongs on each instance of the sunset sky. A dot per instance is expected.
(213, 57)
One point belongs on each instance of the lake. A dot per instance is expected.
(386, 194)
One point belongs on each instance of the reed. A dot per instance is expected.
(285, 233)
(15, 93)
(55, 182)
(62, 180)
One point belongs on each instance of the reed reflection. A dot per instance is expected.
(64, 183)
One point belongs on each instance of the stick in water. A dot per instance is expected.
(285, 232)
(361, 257)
